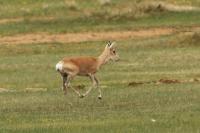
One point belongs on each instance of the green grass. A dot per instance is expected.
(175, 107)
(89, 16)
(145, 108)
(31, 8)
(98, 24)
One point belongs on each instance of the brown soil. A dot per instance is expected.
(165, 81)
(82, 37)
(169, 81)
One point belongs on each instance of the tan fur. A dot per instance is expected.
(85, 66)
(80, 65)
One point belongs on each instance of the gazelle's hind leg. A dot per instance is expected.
(64, 78)
(69, 85)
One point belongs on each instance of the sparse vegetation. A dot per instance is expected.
(71, 5)
(105, 2)
(193, 39)
(186, 39)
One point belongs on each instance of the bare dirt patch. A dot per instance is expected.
(82, 37)
(165, 81)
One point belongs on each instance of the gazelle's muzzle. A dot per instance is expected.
(115, 58)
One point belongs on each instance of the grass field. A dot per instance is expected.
(154, 88)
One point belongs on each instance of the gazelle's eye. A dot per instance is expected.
(114, 51)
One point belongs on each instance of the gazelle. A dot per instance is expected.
(85, 66)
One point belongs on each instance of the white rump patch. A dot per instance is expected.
(59, 66)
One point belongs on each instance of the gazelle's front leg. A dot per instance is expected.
(69, 85)
(91, 76)
(99, 89)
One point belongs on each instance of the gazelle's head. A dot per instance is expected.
(111, 51)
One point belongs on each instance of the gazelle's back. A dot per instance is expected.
(83, 65)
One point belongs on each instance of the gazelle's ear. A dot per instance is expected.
(108, 44)
(112, 44)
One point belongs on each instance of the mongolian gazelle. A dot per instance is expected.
(85, 66)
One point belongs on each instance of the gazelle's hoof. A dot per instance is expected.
(99, 97)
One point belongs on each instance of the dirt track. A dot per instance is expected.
(82, 37)
(93, 36)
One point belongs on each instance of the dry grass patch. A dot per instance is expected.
(163, 6)
(105, 2)
(71, 4)
(83, 37)
(186, 39)
(35, 89)
(5, 90)
(31, 19)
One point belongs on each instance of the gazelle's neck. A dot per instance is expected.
(103, 58)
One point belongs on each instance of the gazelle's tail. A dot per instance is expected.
(59, 66)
